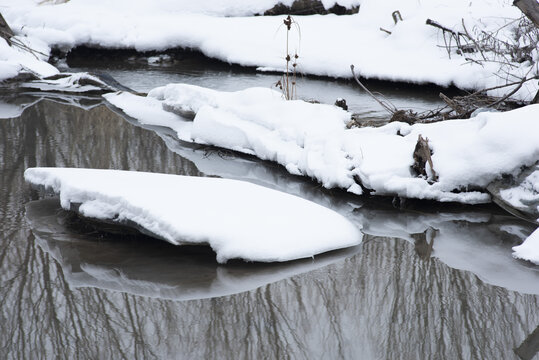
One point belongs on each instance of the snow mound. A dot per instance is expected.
(313, 140)
(237, 219)
(529, 249)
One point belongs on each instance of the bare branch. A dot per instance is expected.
(389, 108)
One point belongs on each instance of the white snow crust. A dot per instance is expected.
(529, 249)
(313, 140)
(14, 60)
(414, 52)
(237, 219)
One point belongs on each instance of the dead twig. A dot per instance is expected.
(390, 108)
(512, 92)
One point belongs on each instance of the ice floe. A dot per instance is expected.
(237, 219)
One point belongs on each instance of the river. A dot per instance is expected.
(428, 281)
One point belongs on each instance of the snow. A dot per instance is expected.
(237, 219)
(414, 52)
(313, 140)
(129, 7)
(529, 250)
(14, 60)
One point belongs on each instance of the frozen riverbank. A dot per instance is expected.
(413, 52)
(313, 140)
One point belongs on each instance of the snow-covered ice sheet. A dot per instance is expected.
(529, 249)
(237, 219)
(313, 140)
(414, 52)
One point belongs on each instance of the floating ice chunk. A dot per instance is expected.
(237, 219)
(529, 249)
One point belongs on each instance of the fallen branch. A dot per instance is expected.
(452, 104)
(512, 92)
(386, 105)
(454, 34)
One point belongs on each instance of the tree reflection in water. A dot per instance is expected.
(391, 299)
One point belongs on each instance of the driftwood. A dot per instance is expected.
(422, 156)
(5, 31)
(464, 41)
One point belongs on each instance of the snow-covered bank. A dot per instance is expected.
(227, 8)
(14, 59)
(312, 140)
(247, 221)
(414, 52)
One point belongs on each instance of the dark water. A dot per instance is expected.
(138, 74)
(426, 283)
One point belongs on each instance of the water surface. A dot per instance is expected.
(433, 282)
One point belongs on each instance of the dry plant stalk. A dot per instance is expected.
(287, 83)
